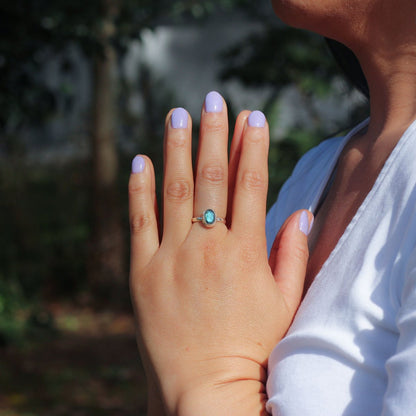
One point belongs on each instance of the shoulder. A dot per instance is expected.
(314, 160)
(303, 185)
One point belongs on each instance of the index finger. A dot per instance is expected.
(142, 213)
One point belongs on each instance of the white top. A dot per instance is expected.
(351, 349)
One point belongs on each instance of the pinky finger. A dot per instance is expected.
(142, 213)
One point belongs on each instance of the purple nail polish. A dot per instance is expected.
(213, 102)
(256, 119)
(179, 119)
(138, 164)
(304, 223)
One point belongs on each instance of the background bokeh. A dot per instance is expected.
(85, 85)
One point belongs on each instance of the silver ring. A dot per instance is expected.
(208, 218)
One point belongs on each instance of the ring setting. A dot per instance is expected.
(208, 218)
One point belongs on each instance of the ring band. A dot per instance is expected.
(208, 218)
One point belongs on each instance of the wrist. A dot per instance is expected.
(242, 398)
(228, 386)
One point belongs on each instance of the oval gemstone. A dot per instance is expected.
(209, 217)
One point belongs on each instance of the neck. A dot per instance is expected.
(392, 85)
(387, 55)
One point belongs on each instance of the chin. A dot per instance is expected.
(293, 12)
(319, 16)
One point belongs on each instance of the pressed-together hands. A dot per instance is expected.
(209, 305)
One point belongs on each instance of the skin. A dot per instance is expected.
(209, 305)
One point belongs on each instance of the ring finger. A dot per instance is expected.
(211, 180)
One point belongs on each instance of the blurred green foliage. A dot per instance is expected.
(44, 227)
(12, 302)
(281, 56)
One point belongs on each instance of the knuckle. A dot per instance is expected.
(213, 174)
(214, 125)
(138, 187)
(300, 253)
(176, 141)
(140, 222)
(253, 180)
(256, 136)
(180, 190)
(297, 251)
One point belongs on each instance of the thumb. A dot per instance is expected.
(289, 257)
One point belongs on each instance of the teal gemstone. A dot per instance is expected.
(209, 217)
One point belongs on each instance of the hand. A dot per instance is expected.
(208, 304)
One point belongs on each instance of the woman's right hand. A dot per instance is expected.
(208, 304)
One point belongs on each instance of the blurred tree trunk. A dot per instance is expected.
(106, 268)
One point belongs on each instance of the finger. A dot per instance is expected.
(289, 257)
(178, 177)
(235, 152)
(211, 180)
(249, 204)
(155, 205)
(142, 213)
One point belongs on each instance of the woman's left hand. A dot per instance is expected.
(208, 304)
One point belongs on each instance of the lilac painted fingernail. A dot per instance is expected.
(179, 119)
(304, 223)
(138, 164)
(213, 102)
(256, 119)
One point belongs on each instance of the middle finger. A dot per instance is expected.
(211, 180)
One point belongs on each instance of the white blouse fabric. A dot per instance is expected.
(351, 349)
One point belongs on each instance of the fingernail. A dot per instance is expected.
(138, 164)
(304, 223)
(213, 102)
(179, 119)
(256, 119)
(311, 225)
